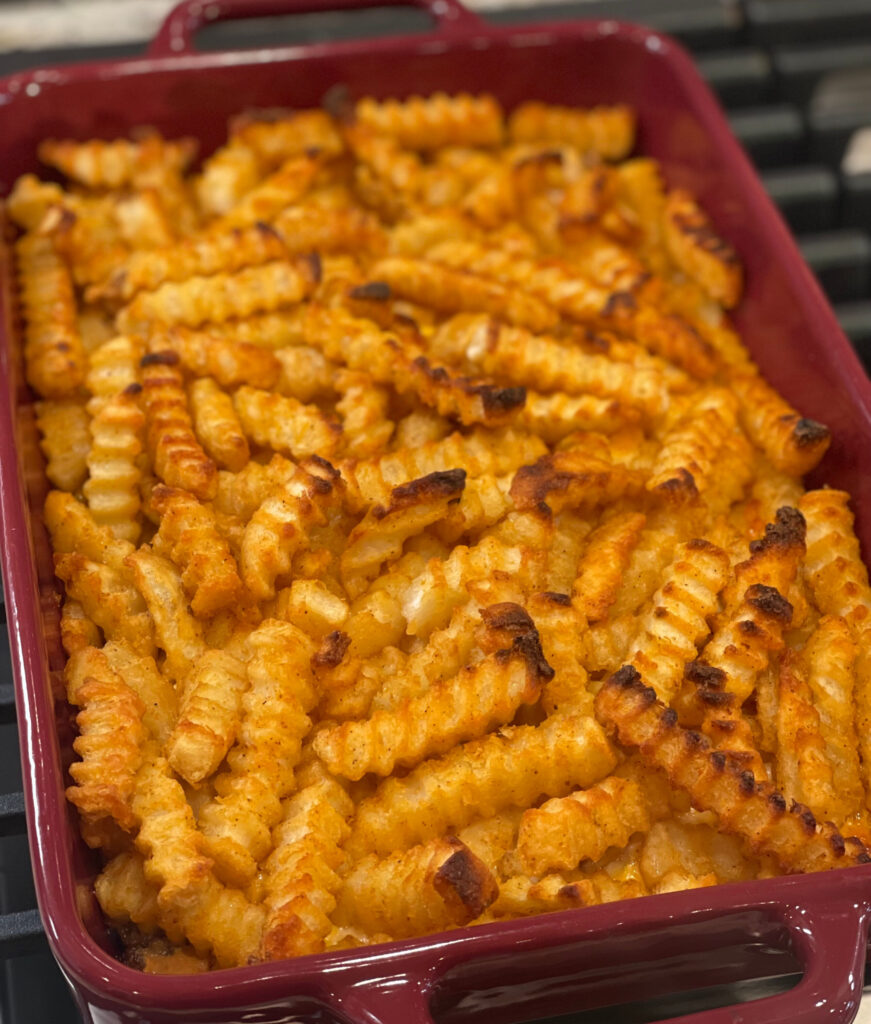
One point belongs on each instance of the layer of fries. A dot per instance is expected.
(433, 552)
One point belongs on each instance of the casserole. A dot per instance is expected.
(818, 923)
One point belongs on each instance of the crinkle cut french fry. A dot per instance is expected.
(212, 918)
(73, 529)
(114, 473)
(392, 360)
(54, 355)
(209, 716)
(754, 810)
(452, 291)
(217, 425)
(76, 629)
(562, 635)
(804, 773)
(572, 479)
(364, 408)
(563, 832)
(699, 251)
(305, 374)
(286, 425)
(214, 252)
(177, 633)
(237, 822)
(793, 443)
(97, 164)
(380, 535)
(606, 131)
(188, 534)
(125, 894)
(30, 200)
(520, 896)
(112, 367)
(293, 133)
(750, 630)
(548, 364)
(669, 634)
(269, 197)
(438, 885)
(153, 688)
(65, 442)
(604, 563)
(510, 768)
(108, 600)
(435, 121)
(227, 175)
(301, 879)
(310, 228)
(692, 449)
(553, 417)
(478, 452)
(833, 565)
(178, 458)
(110, 741)
(449, 712)
(231, 363)
(241, 493)
(428, 599)
(199, 300)
(281, 524)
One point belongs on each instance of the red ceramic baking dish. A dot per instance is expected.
(813, 925)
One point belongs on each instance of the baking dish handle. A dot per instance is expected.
(829, 940)
(831, 943)
(176, 34)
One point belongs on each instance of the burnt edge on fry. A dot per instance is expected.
(808, 433)
(787, 531)
(465, 883)
(625, 705)
(770, 602)
(508, 616)
(528, 647)
(376, 291)
(447, 483)
(164, 358)
(333, 649)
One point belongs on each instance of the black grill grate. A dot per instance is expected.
(795, 76)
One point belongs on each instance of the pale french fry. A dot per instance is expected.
(607, 131)
(66, 440)
(237, 823)
(428, 888)
(178, 458)
(209, 716)
(509, 768)
(53, 351)
(301, 879)
(176, 631)
(450, 712)
(114, 473)
(198, 300)
(188, 534)
(110, 741)
(99, 164)
(285, 425)
(217, 425)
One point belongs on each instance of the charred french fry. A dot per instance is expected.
(754, 810)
